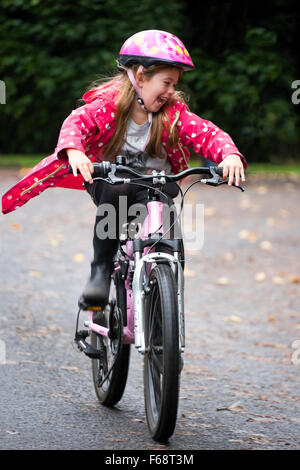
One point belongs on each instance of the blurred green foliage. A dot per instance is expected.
(248, 93)
(51, 51)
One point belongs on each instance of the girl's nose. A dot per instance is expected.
(171, 91)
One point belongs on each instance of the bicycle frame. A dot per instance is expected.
(140, 261)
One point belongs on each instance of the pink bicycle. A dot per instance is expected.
(145, 308)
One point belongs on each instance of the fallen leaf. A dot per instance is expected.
(34, 274)
(62, 395)
(243, 234)
(274, 345)
(263, 419)
(12, 432)
(227, 256)
(262, 190)
(53, 242)
(263, 398)
(234, 407)
(72, 368)
(260, 276)
(16, 226)
(271, 222)
(189, 272)
(222, 281)
(265, 245)
(257, 358)
(245, 203)
(44, 254)
(234, 318)
(294, 279)
(114, 440)
(277, 280)
(250, 236)
(271, 319)
(78, 258)
(284, 213)
(295, 420)
(209, 212)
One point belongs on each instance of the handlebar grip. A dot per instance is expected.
(100, 169)
(219, 170)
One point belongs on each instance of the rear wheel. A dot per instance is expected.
(162, 358)
(111, 370)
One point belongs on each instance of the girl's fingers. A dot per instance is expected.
(74, 168)
(225, 172)
(86, 172)
(231, 176)
(237, 176)
(235, 173)
(91, 167)
(243, 174)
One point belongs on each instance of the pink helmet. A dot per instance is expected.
(153, 46)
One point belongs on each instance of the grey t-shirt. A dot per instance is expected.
(131, 150)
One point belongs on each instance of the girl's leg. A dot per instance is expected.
(105, 242)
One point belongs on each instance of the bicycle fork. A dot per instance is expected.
(140, 287)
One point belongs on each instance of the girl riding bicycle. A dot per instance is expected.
(137, 114)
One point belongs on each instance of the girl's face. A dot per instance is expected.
(158, 89)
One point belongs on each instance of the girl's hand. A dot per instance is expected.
(233, 168)
(79, 161)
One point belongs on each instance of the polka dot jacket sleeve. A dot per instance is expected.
(206, 138)
(78, 129)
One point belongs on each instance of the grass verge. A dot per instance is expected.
(29, 161)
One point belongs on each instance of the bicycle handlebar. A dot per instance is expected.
(106, 170)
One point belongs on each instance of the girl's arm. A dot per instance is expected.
(76, 133)
(213, 143)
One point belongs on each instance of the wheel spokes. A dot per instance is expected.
(155, 353)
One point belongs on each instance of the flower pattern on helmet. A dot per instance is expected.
(158, 45)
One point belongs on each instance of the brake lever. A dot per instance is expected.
(112, 178)
(233, 184)
(217, 181)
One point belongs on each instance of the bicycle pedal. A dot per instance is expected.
(87, 348)
(83, 305)
(82, 334)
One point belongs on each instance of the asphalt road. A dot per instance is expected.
(240, 382)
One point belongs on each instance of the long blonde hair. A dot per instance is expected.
(125, 103)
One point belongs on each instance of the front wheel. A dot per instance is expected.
(162, 358)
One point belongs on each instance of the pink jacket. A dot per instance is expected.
(89, 127)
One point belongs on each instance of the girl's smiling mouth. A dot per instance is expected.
(161, 100)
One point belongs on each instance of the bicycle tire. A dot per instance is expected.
(111, 391)
(162, 358)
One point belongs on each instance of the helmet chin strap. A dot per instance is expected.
(140, 101)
